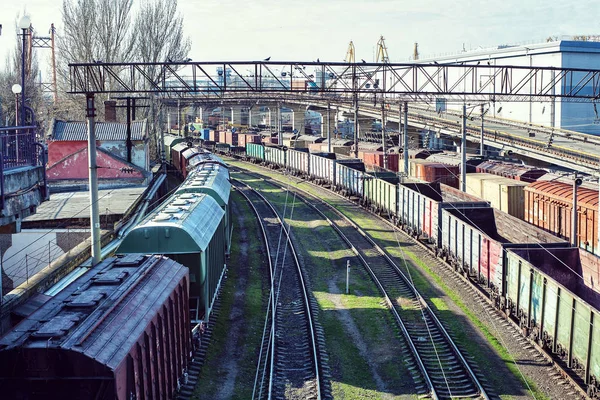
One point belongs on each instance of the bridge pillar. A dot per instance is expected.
(331, 125)
(239, 115)
(298, 119)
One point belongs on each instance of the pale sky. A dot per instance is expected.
(310, 29)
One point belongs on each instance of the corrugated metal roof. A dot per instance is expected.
(564, 193)
(185, 223)
(106, 131)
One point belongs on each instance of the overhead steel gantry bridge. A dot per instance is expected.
(341, 83)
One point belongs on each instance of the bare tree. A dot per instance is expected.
(108, 31)
(10, 75)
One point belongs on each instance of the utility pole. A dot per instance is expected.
(328, 128)
(481, 140)
(463, 151)
(93, 176)
(405, 139)
(355, 103)
(574, 222)
(385, 156)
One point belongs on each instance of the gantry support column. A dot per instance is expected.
(405, 137)
(93, 179)
(355, 110)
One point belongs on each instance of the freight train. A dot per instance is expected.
(535, 277)
(125, 328)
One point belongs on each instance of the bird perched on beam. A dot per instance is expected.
(268, 58)
(363, 61)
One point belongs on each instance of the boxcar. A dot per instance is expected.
(170, 141)
(119, 331)
(212, 179)
(188, 228)
(275, 156)
(513, 171)
(549, 205)
(255, 151)
(177, 159)
(186, 156)
(551, 302)
(297, 161)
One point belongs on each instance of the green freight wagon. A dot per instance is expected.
(212, 179)
(255, 151)
(546, 294)
(188, 228)
(381, 195)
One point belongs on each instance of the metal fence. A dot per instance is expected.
(18, 147)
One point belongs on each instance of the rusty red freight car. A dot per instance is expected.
(120, 331)
(549, 205)
(518, 172)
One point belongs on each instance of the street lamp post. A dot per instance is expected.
(24, 24)
(16, 89)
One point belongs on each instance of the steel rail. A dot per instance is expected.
(422, 302)
(304, 289)
(271, 305)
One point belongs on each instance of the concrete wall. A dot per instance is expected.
(29, 181)
(59, 150)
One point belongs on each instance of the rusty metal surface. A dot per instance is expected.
(124, 316)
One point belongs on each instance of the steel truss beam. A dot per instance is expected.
(455, 82)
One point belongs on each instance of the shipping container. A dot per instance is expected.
(549, 205)
(297, 161)
(214, 136)
(475, 181)
(231, 138)
(120, 331)
(506, 195)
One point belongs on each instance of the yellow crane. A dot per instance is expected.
(382, 53)
(350, 53)
(416, 51)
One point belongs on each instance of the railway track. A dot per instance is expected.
(444, 372)
(557, 374)
(290, 365)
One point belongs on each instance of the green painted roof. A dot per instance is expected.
(171, 140)
(180, 146)
(211, 179)
(184, 224)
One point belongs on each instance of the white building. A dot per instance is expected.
(564, 114)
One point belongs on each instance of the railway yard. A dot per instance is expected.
(287, 227)
(373, 360)
(309, 276)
